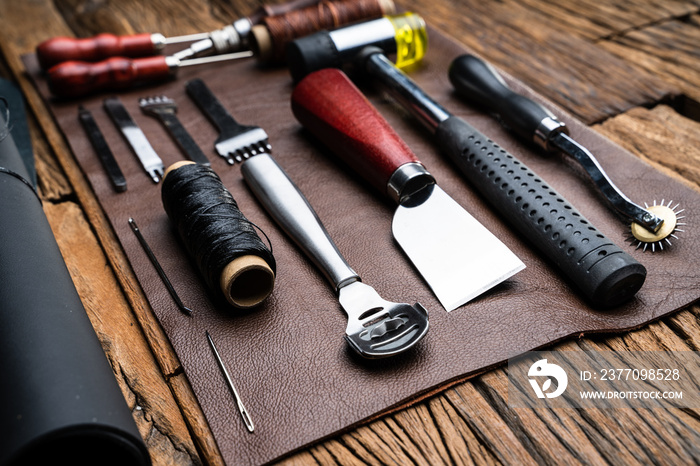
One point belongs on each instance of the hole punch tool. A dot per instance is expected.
(652, 227)
(236, 142)
(376, 328)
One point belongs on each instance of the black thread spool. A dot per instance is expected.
(224, 244)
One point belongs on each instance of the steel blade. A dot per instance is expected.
(150, 161)
(456, 255)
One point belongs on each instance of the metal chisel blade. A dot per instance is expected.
(456, 255)
(135, 137)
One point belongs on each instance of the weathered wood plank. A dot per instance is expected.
(157, 415)
(660, 136)
(593, 20)
(572, 72)
(668, 50)
(169, 18)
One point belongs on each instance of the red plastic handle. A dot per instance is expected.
(100, 47)
(329, 105)
(76, 79)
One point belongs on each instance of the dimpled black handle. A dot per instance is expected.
(605, 274)
(477, 81)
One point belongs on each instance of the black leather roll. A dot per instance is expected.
(60, 400)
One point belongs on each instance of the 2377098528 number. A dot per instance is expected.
(639, 374)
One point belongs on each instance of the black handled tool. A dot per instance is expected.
(477, 81)
(605, 274)
(102, 149)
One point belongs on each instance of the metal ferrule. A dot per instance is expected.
(406, 92)
(243, 27)
(173, 63)
(159, 41)
(548, 127)
(225, 40)
(350, 40)
(407, 180)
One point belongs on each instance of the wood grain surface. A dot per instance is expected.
(630, 68)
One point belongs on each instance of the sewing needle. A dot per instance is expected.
(159, 269)
(244, 412)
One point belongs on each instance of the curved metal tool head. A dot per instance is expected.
(378, 328)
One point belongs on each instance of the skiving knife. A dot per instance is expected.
(456, 255)
(135, 137)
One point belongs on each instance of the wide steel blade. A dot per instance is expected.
(456, 255)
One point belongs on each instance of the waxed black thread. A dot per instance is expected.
(209, 222)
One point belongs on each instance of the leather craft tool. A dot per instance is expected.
(164, 109)
(77, 79)
(236, 142)
(474, 79)
(241, 409)
(604, 273)
(102, 149)
(456, 255)
(159, 269)
(376, 328)
(229, 254)
(234, 37)
(135, 137)
(401, 36)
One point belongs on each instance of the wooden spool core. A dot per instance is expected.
(246, 281)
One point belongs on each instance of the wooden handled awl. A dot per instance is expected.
(456, 255)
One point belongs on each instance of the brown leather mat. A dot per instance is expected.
(288, 358)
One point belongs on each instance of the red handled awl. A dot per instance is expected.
(231, 38)
(456, 255)
(266, 31)
(76, 79)
(651, 227)
(102, 46)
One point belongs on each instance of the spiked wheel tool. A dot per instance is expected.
(651, 227)
(670, 215)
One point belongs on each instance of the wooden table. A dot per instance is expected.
(630, 69)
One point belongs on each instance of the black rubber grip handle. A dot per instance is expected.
(479, 82)
(606, 275)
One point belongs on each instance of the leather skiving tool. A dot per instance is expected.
(456, 255)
